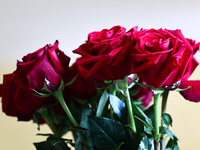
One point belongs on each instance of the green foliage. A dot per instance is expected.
(101, 132)
(122, 85)
(102, 103)
(172, 143)
(53, 143)
(84, 125)
(117, 147)
(164, 130)
(72, 81)
(48, 146)
(107, 134)
(166, 119)
(118, 107)
(141, 116)
(146, 144)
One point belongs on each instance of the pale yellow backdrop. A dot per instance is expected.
(27, 25)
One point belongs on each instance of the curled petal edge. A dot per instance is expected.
(192, 93)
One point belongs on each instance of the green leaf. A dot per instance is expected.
(102, 103)
(179, 90)
(140, 84)
(79, 143)
(173, 143)
(122, 85)
(150, 113)
(166, 119)
(144, 122)
(107, 82)
(85, 125)
(134, 92)
(72, 81)
(131, 77)
(95, 82)
(44, 146)
(118, 106)
(84, 117)
(52, 114)
(42, 94)
(36, 117)
(147, 129)
(164, 130)
(146, 144)
(48, 146)
(151, 143)
(79, 129)
(54, 140)
(142, 117)
(173, 148)
(107, 133)
(176, 147)
(41, 134)
(118, 146)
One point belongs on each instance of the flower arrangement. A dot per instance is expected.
(105, 97)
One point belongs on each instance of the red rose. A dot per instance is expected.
(194, 45)
(19, 102)
(81, 88)
(162, 57)
(192, 93)
(48, 63)
(105, 55)
(18, 97)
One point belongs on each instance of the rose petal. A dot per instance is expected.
(193, 93)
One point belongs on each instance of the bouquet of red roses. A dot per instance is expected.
(105, 97)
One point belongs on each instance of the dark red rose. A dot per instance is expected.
(17, 90)
(105, 55)
(81, 88)
(19, 102)
(162, 57)
(48, 63)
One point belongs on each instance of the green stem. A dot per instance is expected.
(164, 104)
(43, 112)
(164, 100)
(130, 111)
(112, 90)
(156, 116)
(58, 94)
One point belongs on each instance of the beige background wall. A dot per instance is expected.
(27, 25)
